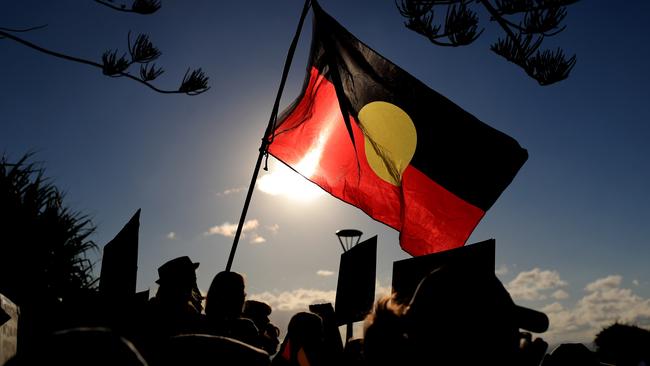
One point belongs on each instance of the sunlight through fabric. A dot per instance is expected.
(282, 181)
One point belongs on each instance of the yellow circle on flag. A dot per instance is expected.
(390, 139)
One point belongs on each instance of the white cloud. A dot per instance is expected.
(300, 299)
(606, 283)
(171, 235)
(605, 302)
(531, 285)
(324, 273)
(230, 191)
(503, 270)
(560, 295)
(256, 239)
(286, 304)
(229, 230)
(635, 282)
(295, 300)
(553, 308)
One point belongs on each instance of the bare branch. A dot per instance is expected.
(523, 30)
(16, 30)
(138, 6)
(195, 84)
(114, 7)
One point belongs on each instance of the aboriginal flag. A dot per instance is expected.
(374, 136)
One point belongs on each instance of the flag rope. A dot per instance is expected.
(269, 128)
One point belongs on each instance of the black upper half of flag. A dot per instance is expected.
(462, 154)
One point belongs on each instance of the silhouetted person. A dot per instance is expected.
(81, 347)
(623, 345)
(268, 334)
(223, 308)
(333, 346)
(303, 344)
(456, 317)
(204, 349)
(571, 354)
(353, 353)
(386, 340)
(174, 310)
(467, 317)
(176, 299)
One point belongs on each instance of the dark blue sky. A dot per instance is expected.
(572, 229)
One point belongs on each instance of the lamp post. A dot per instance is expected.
(348, 238)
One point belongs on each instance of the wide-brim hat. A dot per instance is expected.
(177, 270)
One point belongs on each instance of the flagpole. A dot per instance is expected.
(265, 143)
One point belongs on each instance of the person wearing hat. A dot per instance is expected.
(178, 293)
(179, 274)
(459, 314)
(176, 307)
(467, 319)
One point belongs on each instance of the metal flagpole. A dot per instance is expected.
(269, 128)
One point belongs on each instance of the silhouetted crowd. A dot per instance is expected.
(453, 318)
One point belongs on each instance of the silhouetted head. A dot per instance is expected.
(305, 328)
(385, 340)
(304, 335)
(177, 281)
(623, 344)
(226, 295)
(178, 271)
(258, 312)
(571, 354)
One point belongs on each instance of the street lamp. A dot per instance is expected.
(348, 238)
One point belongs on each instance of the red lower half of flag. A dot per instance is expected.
(313, 140)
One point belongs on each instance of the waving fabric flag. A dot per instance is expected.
(374, 136)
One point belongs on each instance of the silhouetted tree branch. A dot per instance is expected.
(15, 30)
(137, 6)
(526, 24)
(141, 51)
